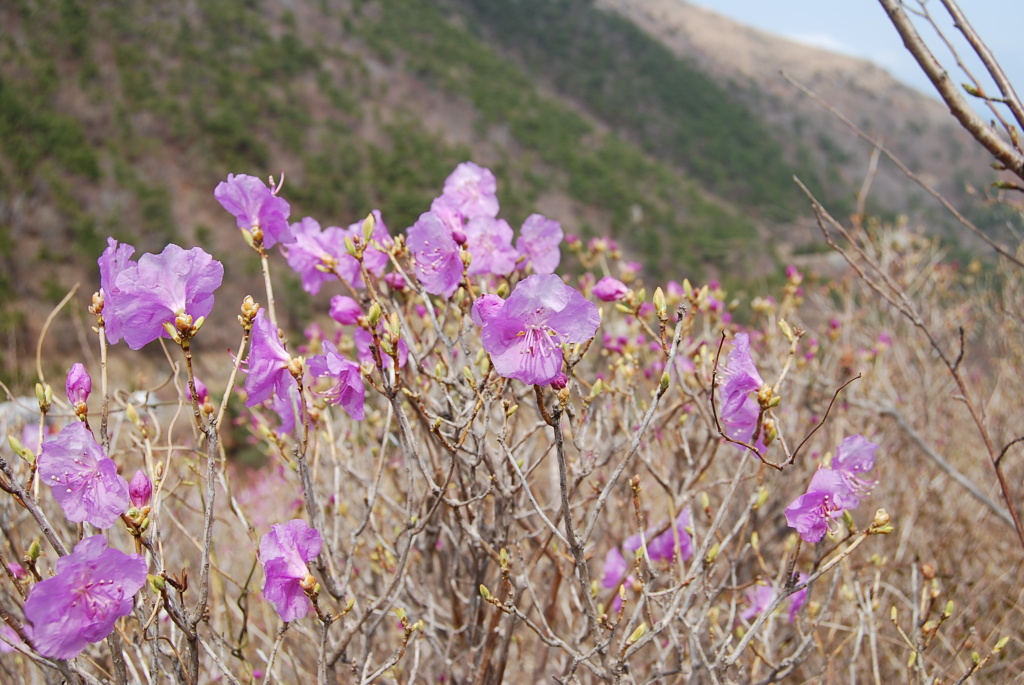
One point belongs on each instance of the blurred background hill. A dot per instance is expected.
(653, 121)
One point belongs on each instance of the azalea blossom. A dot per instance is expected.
(269, 363)
(489, 241)
(610, 289)
(285, 552)
(255, 208)
(471, 190)
(348, 391)
(538, 243)
(140, 489)
(524, 337)
(855, 456)
(93, 587)
(436, 255)
(759, 597)
(115, 259)
(78, 385)
(739, 410)
(812, 513)
(345, 310)
(664, 547)
(84, 480)
(315, 253)
(160, 288)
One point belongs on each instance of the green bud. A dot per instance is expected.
(400, 613)
(34, 550)
(664, 381)
(369, 223)
(373, 316)
(999, 645)
(713, 553)
(659, 301)
(762, 497)
(512, 410)
(503, 558)
(156, 583)
(350, 247)
(948, 611)
(637, 634)
(484, 592)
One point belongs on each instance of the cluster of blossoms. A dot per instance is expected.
(833, 489)
(760, 596)
(741, 412)
(673, 543)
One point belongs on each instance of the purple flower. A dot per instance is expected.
(94, 586)
(160, 288)
(285, 552)
(115, 259)
(395, 281)
(17, 570)
(438, 264)
(10, 638)
(798, 598)
(140, 489)
(490, 242)
(740, 411)
(610, 289)
(856, 455)
(316, 254)
(524, 337)
(485, 307)
(269, 363)
(345, 310)
(538, 243)
(255, 206)
(286, 407)
(348, 390)
(759, 597)
(471, 190)
(84, 480)
(663, 547)
(78, 385)
(812, 513)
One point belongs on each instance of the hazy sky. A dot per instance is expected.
(860, 27)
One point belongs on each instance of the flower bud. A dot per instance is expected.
(559, 381)
(78, 385)
(140, 489)
(610, 289)
(373, 316)
(17, 570)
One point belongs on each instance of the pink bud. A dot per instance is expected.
(458, 236)
(610, 289)
(559, 381)
(201, 391)
(17, 570)
(79, 384)
(345, 310)
(395, 280)
(140, 489)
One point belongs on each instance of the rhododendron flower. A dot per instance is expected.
(345, 310)
(610, 289)
(798, 598)
(739, 411)
(84, 480)
(140, 489)
(255, 207)
(856, 455)
(115, 259)
(759, 597)
(812, 513)
(538, 243)
(285, 552)
(615, 568)
(94, 586)
(160, 288)
(395, 281)
(78, 385)
(489, 241)
(269, 363)
(9, 639)
(485, 307)
(524, 337)
(663, 547)
(315, 253)
(348, 391)
(436, 255)
(471, 190)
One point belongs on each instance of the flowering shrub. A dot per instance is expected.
(504, 429)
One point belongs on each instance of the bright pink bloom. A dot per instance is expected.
(84, 480)
(94, 586)
(348, 391)
(345, 310)
(489, 241)
(438, 264)
(316, 253)
(269, 372)
(485, 307)
(538, 242)
(471, 190)
(812, 513)
(162, 287)
(115, 259)
(759, 597)
(524, 337)
(255, 206)
(285, 552)
(78, 385)
(610, 289)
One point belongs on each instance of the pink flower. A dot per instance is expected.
(269, 362)
(348, 391)
(345, 310)
(84, 480)
(285, 552)
(538, 243)
(471, 190)
(315, 254)
(140, 489)
(798, 598)
(255, 207)
(610, 289)
(739, 411)
(160, 288)
(78, 385)
(525, 335)
(436, 255)
(663, 547)
(812, 513)
(759, 597)
(94, 586)
(489, 241)
(485, 307)
(115, 259)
